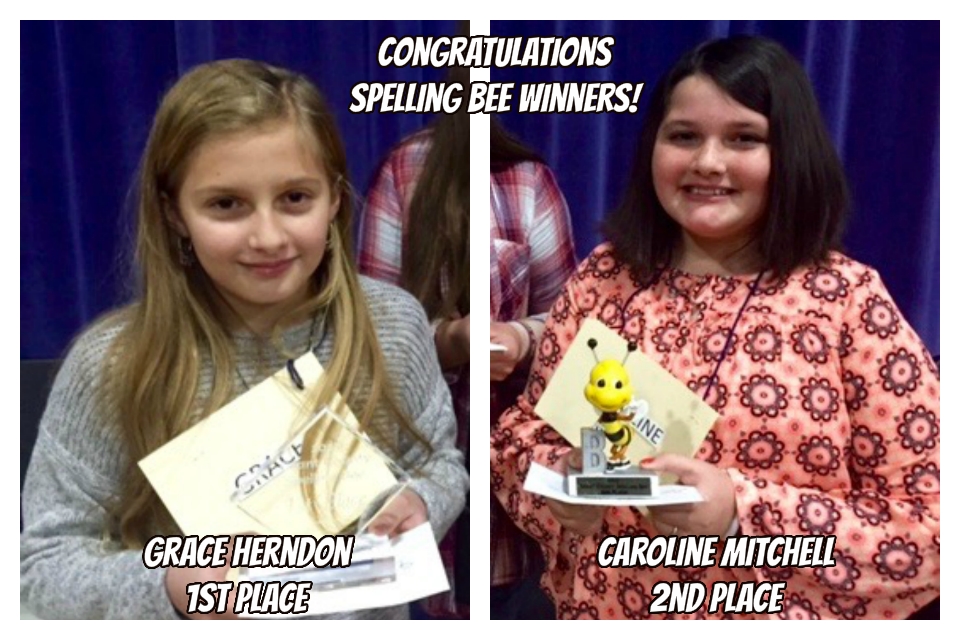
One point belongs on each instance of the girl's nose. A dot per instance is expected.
(267, 233)
(709, 158)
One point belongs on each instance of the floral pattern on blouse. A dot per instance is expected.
(829, 425)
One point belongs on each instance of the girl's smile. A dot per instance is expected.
(269, 270)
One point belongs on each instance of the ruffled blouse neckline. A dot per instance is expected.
(680, 283)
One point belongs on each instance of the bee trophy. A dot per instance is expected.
(609, 392)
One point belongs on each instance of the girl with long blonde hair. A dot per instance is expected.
(245, 260)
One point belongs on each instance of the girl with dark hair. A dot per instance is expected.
(722, 265)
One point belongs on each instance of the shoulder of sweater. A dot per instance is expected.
(73, 409)
(403, 332)
(390, 302)
(89, 349)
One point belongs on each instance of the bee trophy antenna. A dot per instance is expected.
(592, 343)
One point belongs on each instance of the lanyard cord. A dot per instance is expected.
(726, 345)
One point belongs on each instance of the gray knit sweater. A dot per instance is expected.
(69, 570)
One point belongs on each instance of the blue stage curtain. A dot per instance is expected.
(88, 93)
(878, 84)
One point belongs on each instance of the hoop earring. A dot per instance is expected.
(188, 257)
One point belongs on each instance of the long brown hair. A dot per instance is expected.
(180, 323)
(436, 246)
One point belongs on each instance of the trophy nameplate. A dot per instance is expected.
(596, 479)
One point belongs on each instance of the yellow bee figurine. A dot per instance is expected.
(610, 392)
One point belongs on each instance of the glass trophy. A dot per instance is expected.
(328, 478)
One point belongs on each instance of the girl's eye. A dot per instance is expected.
(298, 199)
(748, 139)
(224, 204)
(682, 137)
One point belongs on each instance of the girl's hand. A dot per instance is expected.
(177, 579)
(713, 516)
(404, 512)
(582, 519)
(452, 338)
(502, 363)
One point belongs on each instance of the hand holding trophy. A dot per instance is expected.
(630, 409)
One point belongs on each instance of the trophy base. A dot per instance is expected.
(625, 482)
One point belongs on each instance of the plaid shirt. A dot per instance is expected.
(531, 246)
(386, 209)
(531, 257)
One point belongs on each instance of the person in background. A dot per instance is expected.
(531, 256)
(414, 233)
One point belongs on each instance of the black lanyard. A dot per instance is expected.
(726, 345)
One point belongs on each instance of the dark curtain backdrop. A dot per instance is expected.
(879, 89)
(88, 93)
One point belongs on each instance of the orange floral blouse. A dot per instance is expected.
(830, 422)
